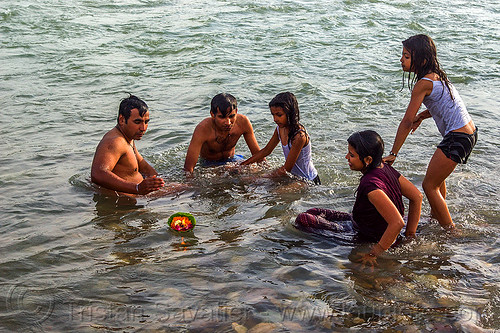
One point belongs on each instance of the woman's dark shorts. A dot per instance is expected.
(458, 146)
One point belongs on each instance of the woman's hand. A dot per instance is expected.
(280, 172)
(410, 236)
(389, 159)
(368, 260)
(416, 122)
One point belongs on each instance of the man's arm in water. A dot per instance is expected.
(193, 153)
(107, 155)
(249, 135)
(144, 167)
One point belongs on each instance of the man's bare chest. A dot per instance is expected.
(127, 163)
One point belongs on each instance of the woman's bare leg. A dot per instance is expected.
(442, 189)
(439, 168)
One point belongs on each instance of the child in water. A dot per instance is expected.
(432, 88)
(294, 139)
(377, 215)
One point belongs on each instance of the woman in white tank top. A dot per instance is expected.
(432, 88)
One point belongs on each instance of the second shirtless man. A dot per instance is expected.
(214, 138)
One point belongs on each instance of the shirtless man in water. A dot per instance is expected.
(215, 138)
(117, 164)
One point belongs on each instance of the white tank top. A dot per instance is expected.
(304, 166)
(448, 114)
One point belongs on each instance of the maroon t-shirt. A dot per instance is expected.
(371, 224)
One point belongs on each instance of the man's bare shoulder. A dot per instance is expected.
(205, 123)
(242, 117)
(243, 122)
(113, 140)
(204, 128)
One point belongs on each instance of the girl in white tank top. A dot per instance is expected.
(293, 138)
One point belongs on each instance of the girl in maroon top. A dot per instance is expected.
(377, 214)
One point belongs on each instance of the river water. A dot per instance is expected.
(74, 260)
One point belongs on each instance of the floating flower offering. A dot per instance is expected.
(181, 222)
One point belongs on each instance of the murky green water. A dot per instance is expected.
(76, 261)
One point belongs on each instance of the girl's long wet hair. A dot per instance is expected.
(368, 143)
(424, 60)
(288, 102)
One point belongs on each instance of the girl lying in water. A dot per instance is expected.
(377, 215)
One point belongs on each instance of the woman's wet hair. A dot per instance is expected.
(223, 103)
(368, 143)
(288, 102)
(424, 60)
(130, 103)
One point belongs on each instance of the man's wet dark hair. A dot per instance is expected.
(130, 103)
(222, 102)
(368, 143)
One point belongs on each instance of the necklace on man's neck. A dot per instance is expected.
(131, 143)
(222, 140)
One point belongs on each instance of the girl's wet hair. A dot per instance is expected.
(130, 103)
(223, 103)
(424, 60)
(368, 143)
(288, 102)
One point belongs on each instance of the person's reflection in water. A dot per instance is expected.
(117, 214)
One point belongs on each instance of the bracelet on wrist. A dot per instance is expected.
(377, 249)
(392, 154)
(380, 246)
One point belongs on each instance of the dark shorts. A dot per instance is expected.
(458, 146)
(235, 158)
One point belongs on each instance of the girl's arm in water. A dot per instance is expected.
(415, 198)
(298, 142)
(268, 149)
(422, 88)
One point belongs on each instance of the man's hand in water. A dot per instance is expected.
(150, 184)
